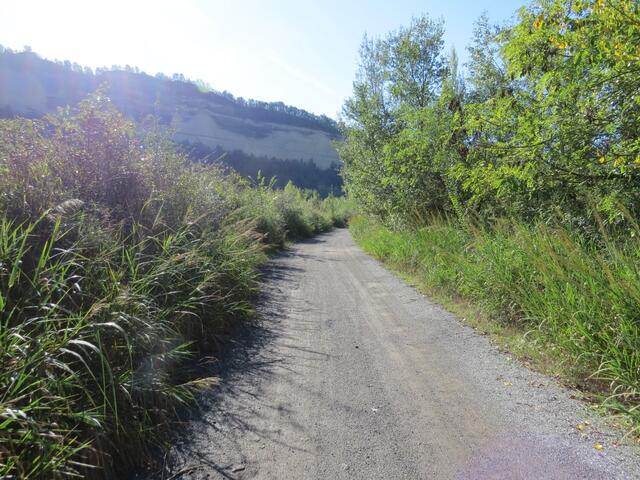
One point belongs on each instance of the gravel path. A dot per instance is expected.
(351, 374)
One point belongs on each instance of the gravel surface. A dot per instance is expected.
(352, 374)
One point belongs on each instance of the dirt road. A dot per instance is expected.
(352, 374)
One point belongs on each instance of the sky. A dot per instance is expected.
(301, 52)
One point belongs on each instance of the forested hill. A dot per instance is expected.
(31, 86)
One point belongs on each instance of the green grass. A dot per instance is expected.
(568, 306)
(122, 265)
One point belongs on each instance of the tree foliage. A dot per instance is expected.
(545, 124)
(391, 168)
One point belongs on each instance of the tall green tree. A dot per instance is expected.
(389, 164)
(560, 133)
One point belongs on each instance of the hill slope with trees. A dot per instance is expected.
(266, 134)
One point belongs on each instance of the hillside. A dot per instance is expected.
(31, 86)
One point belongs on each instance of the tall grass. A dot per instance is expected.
(291, 213)
(121, 264)
(567, 293)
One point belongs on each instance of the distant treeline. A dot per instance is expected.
(303, 173)
(139, 94)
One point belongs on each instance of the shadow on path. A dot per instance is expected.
(249, 357)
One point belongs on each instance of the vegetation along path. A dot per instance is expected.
(353, 374)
